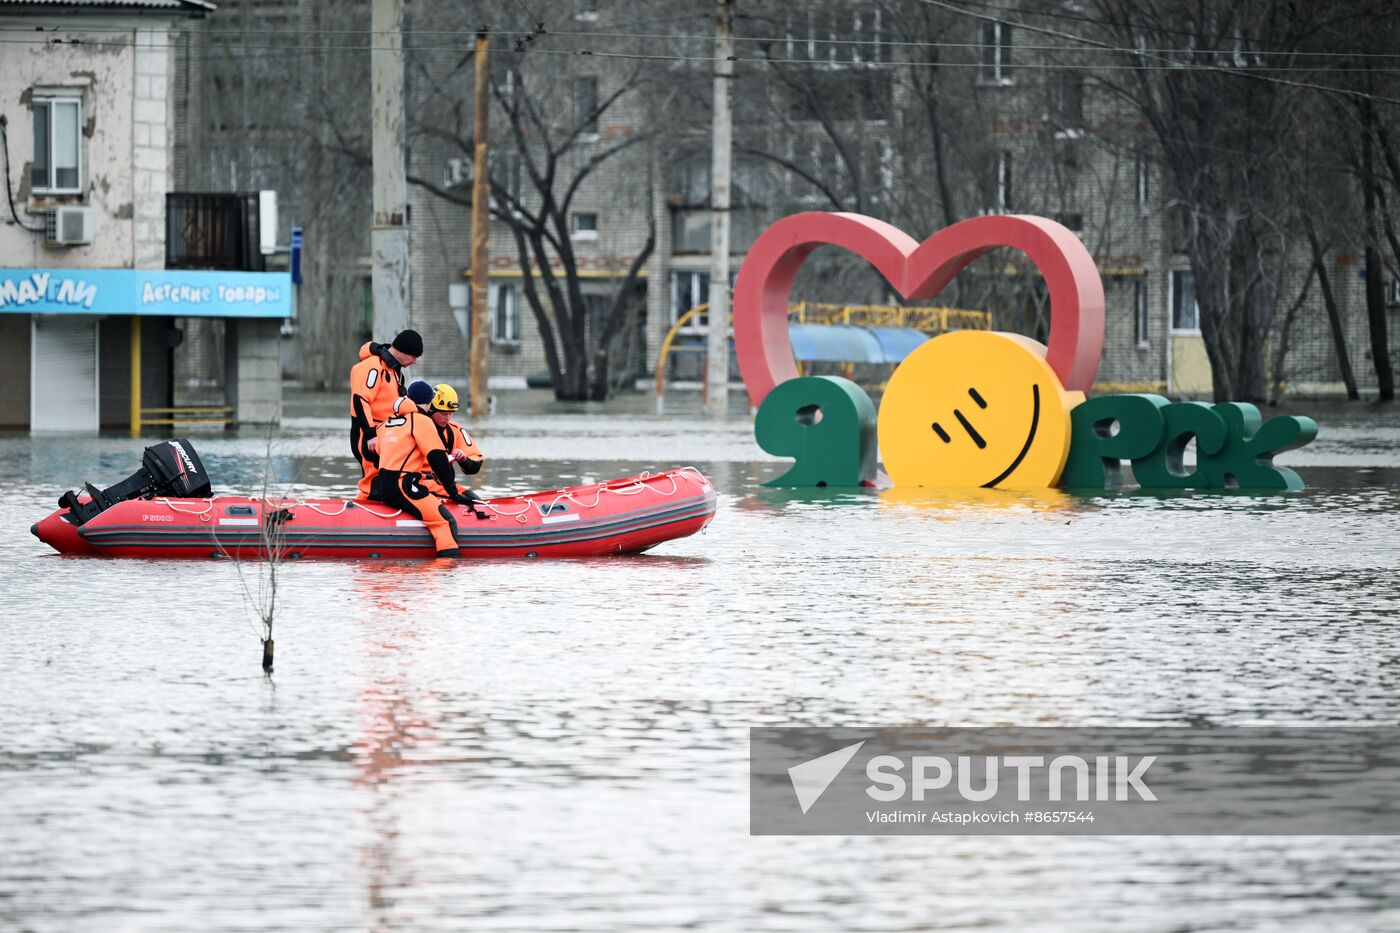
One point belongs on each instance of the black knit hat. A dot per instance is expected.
(409, 342)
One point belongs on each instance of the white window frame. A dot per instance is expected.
(700, 323)
(1063, 218)
(505, 297)
(1171, 304)
(1142, 319)
(1002, 197)
(1061, 89)
(997, 71)
(577, 232)
(1143, 184)
(50, 98)
(581, 119)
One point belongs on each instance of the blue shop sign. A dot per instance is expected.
(161, 292)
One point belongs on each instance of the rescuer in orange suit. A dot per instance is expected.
(376, 382)
(410, 450)
(459, 444)
(461, 447)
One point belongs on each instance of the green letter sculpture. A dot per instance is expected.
(1095, 455)
(1247, 459)
(1164, 467)
(827, 424)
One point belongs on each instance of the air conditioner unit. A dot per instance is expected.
(68, 226)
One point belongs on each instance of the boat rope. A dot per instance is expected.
(361, 505)
(202, 513)
(344, 504)
(638, 485)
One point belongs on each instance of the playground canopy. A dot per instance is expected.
(847, 343)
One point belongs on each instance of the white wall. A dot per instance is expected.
(124, 77)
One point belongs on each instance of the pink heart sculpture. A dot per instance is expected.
(917, 271)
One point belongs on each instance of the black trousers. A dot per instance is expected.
(404, 491)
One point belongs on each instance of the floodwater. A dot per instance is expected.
(537, 746)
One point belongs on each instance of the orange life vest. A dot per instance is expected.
(376, 384)
(454, 438)
(405, 440)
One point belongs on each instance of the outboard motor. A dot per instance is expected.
(169, 469)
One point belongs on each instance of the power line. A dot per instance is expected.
(292, 50)
(1221, 69)
(468, 35)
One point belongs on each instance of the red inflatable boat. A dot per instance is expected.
(624, 516)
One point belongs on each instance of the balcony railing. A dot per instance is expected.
(212, 231)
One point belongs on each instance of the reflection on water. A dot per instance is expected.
(954, 504)
(528, 745)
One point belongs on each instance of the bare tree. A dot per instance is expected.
(258, 572)
(1205, 79)
(1370, 181)
(238, 133)
(558, 155)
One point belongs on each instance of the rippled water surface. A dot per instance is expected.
(530, 745)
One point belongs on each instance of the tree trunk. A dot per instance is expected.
(1375, 273)
(1285, 338)
(1209, 267)
(532, 298)
(1334, 318)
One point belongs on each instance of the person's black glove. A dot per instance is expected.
(467, 498)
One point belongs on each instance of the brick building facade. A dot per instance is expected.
(835, 118)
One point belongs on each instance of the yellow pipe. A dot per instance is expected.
(189, 409)
(188, 421)
(135, 376)
(666, 343)
(891, 315)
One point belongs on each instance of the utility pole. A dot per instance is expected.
(481, 239)
(389, 233)
(717, 343)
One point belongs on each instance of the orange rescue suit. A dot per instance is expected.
(462, 449)
(376, 383)
(410, 453)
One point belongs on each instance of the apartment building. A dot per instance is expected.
(92, 309)
(915, 115)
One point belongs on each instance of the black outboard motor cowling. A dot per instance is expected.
(172, 468)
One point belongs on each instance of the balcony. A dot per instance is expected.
(212, 231)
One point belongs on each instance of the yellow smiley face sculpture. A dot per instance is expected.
(976, 408)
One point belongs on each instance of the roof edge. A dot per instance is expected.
(191, 8)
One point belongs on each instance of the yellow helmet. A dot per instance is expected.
(444, 398)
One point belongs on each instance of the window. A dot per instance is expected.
(1178, 227)
(505, 314)
(584, 225)
(1140, 311)
(1073, 220)
(1143, 182)
(363, 290)
(689, 289)
(1001, 183)
(1068, 103)
(843, 92)
(996, 54)
(1186, 313)
(505, 177)
(586, 104)
(57, 167)
(690, 230)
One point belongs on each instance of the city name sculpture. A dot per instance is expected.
(977, 408)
